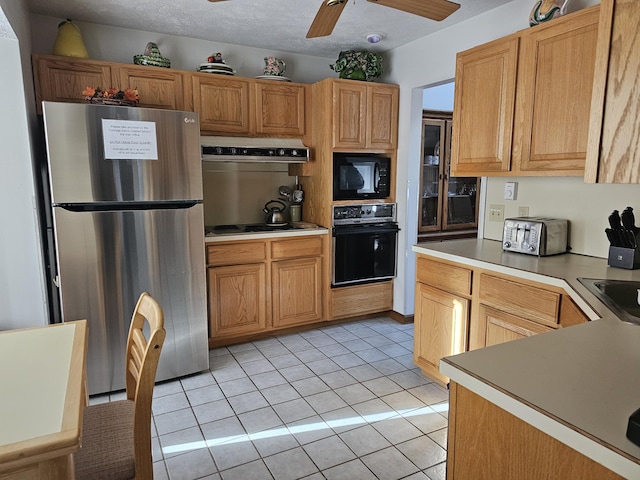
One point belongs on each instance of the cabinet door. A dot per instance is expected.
(484, 102)
(349, 114)
(224, 104)
(382, 117)
(431, 175)
(280, 109)
(500, 327)
(158, 87)
(555, 82)
(614, 151)
(237, 300)
(61, 79)
(296, 291)
(441, 325)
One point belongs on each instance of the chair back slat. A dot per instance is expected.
(142, 359)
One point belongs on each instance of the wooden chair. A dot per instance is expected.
(116, 437)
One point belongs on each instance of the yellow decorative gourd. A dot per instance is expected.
(69, 41)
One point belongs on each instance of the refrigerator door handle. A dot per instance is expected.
(120, 206)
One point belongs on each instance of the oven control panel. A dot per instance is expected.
(364, 213)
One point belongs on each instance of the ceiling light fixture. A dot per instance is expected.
(374, 37)
(331, 3)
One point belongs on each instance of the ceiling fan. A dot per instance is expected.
(330, 11)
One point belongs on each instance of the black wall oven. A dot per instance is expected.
(364, 243)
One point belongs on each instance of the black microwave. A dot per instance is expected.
(358, 176)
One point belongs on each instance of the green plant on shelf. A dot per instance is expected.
(358, 65)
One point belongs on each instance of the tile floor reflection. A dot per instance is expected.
(337, 402)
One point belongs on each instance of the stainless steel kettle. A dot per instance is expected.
(275, 214)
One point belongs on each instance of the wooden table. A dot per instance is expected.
(42, 396)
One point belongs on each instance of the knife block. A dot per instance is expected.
(622, 257)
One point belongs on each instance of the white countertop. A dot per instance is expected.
(42, 395)
(557, 270)
(296, 232)
(577, 384)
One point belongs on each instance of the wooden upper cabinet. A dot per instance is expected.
(365, 116)
(556, 70)
(62, 79)
(521, 103)
(158, 87)
(349, 114)
(280, 108)
(382, 116)
(227, 105)
(484, 103)
(613, 154)
(224, 104)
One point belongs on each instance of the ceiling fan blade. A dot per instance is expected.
(326, 19)
(433, 9)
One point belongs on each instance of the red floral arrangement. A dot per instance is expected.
(112, 96)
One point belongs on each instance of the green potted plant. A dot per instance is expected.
(358, 65)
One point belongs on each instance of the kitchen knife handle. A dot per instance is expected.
(614, 220)
(613, 241)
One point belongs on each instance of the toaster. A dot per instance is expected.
(535, 235)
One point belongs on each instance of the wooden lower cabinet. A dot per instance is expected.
(240, 299)
(297, 292)
(500, 327)
(257, 286)
(488, 443)
(460, 308)
(441, 322)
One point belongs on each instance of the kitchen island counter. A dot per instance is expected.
(579, 384)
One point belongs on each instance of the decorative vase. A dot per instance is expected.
(274, 66)
(545, 10)
(69, 41)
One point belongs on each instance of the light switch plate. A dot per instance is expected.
(510, 190)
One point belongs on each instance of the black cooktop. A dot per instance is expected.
(246, 228)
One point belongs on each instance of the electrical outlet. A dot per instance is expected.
(523, 211)
(496, 213)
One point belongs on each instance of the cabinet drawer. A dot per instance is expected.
(529, 302)
(361, 299)
(452, 279)
(237, 253)
(299, 247)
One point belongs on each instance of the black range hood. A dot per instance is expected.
(261, 150)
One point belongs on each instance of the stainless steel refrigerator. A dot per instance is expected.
(125, 190)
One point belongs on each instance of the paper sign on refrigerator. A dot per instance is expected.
(129, 140)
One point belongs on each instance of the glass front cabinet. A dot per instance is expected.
(448, 205)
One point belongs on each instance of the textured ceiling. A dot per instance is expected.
(270, 24)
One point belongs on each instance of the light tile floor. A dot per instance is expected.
(337, 402)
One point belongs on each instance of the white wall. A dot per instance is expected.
(22, 290)
(585, 206)
(438, 97)
(431, 61)
(120, 45)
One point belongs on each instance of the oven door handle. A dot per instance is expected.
(364, 229)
